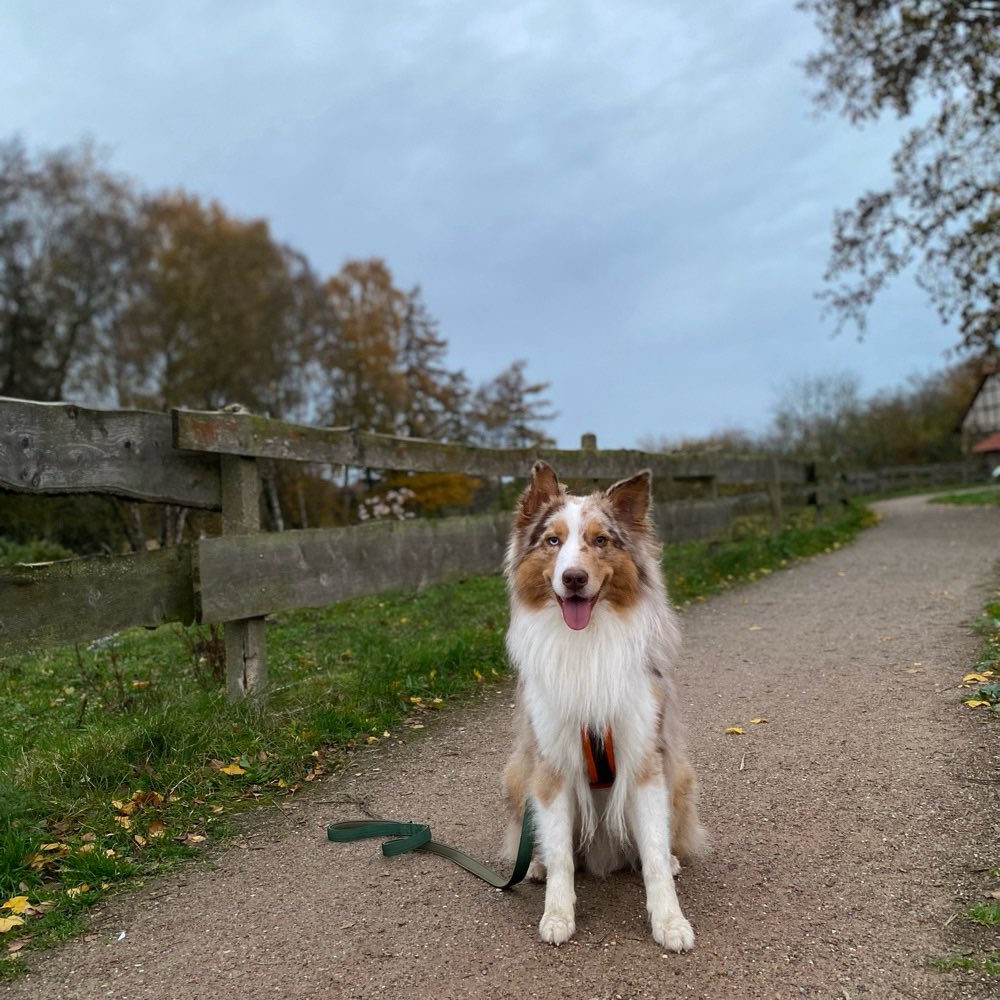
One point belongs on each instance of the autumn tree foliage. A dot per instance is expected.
(509, 411)
(221, 314)
(384, 360)
(70, 234)
(938, 62)
(113, 297)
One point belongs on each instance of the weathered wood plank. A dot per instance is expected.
(63, 448)
(261, 437)
(83, 599)
(242, 576)
(246, 643)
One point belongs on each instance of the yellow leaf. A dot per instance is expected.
(78, 890)
(140, 840)
(760, 720)
(157, 828)
(233, 769)
(124, 822)
(756, 628)
(976, 703)
(16, 904)
(9, 923)
(734, 731)
(975, 679)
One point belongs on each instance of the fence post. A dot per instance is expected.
(774, 495)
(246, 653)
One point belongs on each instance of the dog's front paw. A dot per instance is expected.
(673, 933)
(556, 926)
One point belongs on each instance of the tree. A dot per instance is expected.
(69, 239)
(813, 416)
(384, 359)
(506, 412)
(941, 214)
(221, 314)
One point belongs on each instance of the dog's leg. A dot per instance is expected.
(649, 817)
(554, 832)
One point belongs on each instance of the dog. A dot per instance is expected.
(593, 638)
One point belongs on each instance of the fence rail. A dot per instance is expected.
(208, 460)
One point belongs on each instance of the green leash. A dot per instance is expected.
(417, 837)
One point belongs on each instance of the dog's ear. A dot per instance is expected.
(542, 490)
(631, 500)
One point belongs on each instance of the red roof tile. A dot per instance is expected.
(991, 443)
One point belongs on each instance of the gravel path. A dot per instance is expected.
(849, 830)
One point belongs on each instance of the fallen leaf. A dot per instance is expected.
(976, 703)
(734, 731)
(969, 679)
(759, 721)
(16, 904)
(13, 947)
(140, 840)
(755, 628)
(157, 828)
(233, 768)
(148, 799)
(78, 890)
(9, 923)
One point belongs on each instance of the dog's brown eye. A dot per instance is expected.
(600, 541)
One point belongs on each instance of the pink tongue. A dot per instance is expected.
(576, 612)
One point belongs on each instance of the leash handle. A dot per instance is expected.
(417, 837)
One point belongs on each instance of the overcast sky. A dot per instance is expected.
(635, 196)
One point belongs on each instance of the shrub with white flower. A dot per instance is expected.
(388, 505)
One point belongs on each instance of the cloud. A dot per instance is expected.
(634, 197)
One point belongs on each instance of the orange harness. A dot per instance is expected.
(599, 756)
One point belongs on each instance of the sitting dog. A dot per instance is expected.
(599, 747)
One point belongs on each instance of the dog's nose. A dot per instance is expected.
(575, 580)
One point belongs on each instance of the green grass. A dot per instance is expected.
(986, 913)
(120, 759)
(982, 684)
(989, 496)
(987, 964)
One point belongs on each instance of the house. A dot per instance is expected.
(980, 426)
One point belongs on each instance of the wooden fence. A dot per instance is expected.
(208, 460)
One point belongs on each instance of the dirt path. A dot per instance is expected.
(849, 830)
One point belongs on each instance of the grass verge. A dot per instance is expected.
(987, 495)
(120, 759)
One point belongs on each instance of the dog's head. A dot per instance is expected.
(573, 552)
